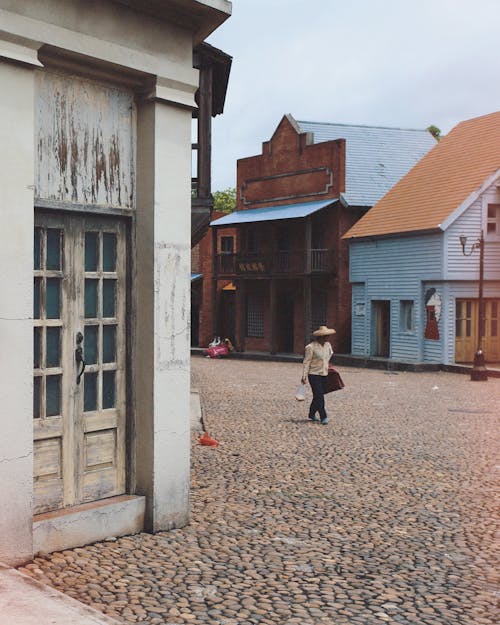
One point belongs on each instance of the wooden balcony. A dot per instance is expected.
(296, 262)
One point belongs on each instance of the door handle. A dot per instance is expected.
(79, 357)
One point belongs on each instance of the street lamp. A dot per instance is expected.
(479, 372)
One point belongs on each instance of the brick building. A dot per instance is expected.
(277, 267)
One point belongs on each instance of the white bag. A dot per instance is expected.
(300, 395)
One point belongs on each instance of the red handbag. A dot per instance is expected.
(333, 380)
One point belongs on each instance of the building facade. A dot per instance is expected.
(415, 294)
(95, 202)
(285, 258)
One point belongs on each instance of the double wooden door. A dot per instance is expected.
(467, 328)
(79, 360)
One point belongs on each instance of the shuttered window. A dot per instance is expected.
(255, 316)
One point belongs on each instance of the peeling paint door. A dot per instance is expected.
(79, 360)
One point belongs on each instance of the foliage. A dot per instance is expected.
(225, 201)
(435, 131)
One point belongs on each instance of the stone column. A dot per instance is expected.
(16, 301)
(162, 298)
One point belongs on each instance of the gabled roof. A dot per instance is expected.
(453, 171)
(376, 157)
(272, 213)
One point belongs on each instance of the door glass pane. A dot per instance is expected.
(108, 389)
(458, 328)
(90, 392)
(108, 343)
(37, 344)
(91, 251)
(37, 248)
(90, 344)
(468, 327)
(53, 249)
(37, 382)
(53, 295)
(36, 297)
(91, 298)
(108, 251)
(53, 401)
(109, 298)
(53, 337)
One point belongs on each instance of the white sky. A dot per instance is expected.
(401, 63)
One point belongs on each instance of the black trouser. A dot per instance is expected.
(317, 383)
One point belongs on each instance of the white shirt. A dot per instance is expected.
(316, 358)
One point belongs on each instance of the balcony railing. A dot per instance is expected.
(279, 263)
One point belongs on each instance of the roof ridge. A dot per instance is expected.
(304, 121)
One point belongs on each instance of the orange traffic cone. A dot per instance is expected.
(207, 440)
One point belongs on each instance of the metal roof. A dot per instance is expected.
(376, 157)
(196, 276)
(271, 213)
(442, 185)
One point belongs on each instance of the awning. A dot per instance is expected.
(271, 213)
(196, 276)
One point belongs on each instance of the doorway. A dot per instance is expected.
(381, 317)
(466, 329)
(285, 323)
(79, 407)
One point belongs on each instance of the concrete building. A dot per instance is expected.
(97, 101)
(415, 294)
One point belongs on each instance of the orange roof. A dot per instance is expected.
(439, 183)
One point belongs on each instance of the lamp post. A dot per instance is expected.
(479, 372)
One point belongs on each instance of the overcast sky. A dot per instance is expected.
(401, 63)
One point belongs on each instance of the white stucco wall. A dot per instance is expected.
(16, 310)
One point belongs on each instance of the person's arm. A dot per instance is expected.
(306, 363)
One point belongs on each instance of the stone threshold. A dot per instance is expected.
(88, 523)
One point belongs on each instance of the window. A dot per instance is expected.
(406, 316)
(227, 245)
(493, 220)
(255, 317)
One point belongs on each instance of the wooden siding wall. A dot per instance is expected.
(395, 270)
(85, 142)
(460, 267)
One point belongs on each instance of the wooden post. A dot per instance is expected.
(214, 281)
(307, 246)
(307, 309)
(272, 306)
(205, 131)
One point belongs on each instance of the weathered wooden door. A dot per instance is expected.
(382, 327)
(466, 330)
(491, 339)
(79, 360)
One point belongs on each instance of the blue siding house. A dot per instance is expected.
(414, 290)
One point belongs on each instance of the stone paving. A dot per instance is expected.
(385, 515)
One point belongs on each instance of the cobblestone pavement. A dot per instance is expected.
(386, 515)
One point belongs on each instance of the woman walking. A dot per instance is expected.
(316, 359)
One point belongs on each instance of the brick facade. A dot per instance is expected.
(291, 169)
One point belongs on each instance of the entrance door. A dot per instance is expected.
(382, 324)
(466, 330)
(285, 323)
(79, 360)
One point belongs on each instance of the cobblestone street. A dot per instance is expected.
(385, 515)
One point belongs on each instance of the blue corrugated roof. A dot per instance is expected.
(376, 157)
(271, 213)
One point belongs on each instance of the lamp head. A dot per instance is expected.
(463, 241)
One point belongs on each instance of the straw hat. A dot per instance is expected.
(324, 331)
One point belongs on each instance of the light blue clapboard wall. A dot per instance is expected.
(395, 269)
